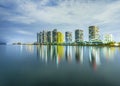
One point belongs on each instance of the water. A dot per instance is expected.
(28, 65)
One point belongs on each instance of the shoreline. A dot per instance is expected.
(100, 45)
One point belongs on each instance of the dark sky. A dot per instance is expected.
(20, 20)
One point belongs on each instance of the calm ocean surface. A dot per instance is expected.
(29, 65)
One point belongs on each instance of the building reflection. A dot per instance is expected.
(29, 48)
(50, 53)
(45, 53)
(40, 52)
(57, 54)
(60, 54)
(54, 55)
(94, 56)
(79, 54)
(68, 53)
(21, 48)
(109, 52)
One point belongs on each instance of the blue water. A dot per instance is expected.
(29, 65)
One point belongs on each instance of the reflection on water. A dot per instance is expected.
(109, 52)
(94, 56)
(44, 65)
(79, 54)
(28, 48)
(70, 53)
(54, 54)
(60, 53)
(42, 53)
(50, 53)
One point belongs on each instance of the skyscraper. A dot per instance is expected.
(68, 37)
(44, 36)
(37, 37)
(54, 35)
(60, 37)
(79, 35)
(94, 34)
(40, 37)
(49, 36)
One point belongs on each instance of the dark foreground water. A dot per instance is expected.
(59, 66)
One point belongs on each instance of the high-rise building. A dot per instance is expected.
(79, 35)
(94, 34)
(54, 35)
(37, 37)
(60, 37)
(49, 36)
(44, 36)
(40, 37)
(68, 37)
(108, 38)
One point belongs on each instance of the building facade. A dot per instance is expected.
(37, 37)
(108, 38)
(94, 34)
(49, 36)
(68, 37)
(40, 37)
(60, 37)
(44, 37)
(54, 35)
(79, 35)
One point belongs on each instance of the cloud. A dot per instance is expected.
(24, 32)
(65, 11)
(110, 14)
(35, 15)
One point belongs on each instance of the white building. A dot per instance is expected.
(108, 38)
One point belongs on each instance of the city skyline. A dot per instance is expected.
(20, 20)
(57, 37)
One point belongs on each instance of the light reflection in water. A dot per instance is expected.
(54, 57)
(79, 54)
(50, 53)
(94, 56)
(109, 52)
(40, 52)
(19, 65)
(68, 53)
(29, 48)
(21, 48)
(58, 54)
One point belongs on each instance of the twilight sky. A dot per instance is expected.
(20, 20)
